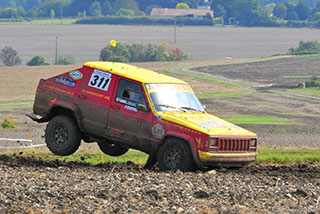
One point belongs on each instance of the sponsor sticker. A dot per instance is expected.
(157, 131)
(67, 81)
(130, 108)
(76, 75)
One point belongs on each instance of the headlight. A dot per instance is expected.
(253, 142)
(213, 142)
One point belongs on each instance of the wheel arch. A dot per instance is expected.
(63, 110)
(191, 146)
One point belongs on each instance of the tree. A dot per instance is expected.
(66, 60)
(36, 61)
(248, 12)
(95, 9)
(316, 16)
(9, 56)
(219, 11)
(56, 5)
(269, 8)
(8, 12)
(304, 46)
(52, 14)
(292, 15)
(227, 6)
(302, 10)
(106, 8)
(280, 11)
(124, 12)
(182, 6)
(126, 4)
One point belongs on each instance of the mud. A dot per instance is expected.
(28, 185)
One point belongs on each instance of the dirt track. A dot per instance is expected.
(31, 186)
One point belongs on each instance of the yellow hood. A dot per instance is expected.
(205, 123)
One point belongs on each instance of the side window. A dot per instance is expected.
(129, 93)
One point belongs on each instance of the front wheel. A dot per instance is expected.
(62, 135)
(112, 149)
(175, 154)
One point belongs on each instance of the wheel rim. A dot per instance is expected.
(59, 135)
(173, 157)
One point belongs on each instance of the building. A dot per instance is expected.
(172, 12)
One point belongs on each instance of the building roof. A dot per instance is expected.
(179, 12)
(133, 72)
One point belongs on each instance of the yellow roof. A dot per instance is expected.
(133, 72)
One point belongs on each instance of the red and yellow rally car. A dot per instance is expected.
(121, 106)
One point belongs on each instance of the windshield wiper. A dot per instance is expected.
(190, 108)
(167, 106)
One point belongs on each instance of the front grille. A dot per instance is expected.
(232, 145)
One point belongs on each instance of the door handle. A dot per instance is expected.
(115, 107)
(83, 97)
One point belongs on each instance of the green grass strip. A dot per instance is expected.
(271, 155)
(227, 94)
(89, 156)
(305, 55)
(309, 91)
(296, 77)
(252, 119)
(16, 103)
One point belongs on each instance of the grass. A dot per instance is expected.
(16, 103)
(295, 77)
(54, 21)
(309, 91)
(87, 156)
(227, 94)
(306, 55)
(8, 123)
(276, 155)
(265, 155)
(252, 119)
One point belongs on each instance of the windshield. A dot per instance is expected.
(173, 97)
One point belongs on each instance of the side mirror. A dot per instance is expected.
(204, 107)
(141, 107)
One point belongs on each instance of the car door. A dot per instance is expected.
(126, 122)
(93, 100)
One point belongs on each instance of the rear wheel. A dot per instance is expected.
(112, 149)
(62, 135)
(175, 154)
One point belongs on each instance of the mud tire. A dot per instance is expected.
(112, 149)
(62, 135)
(175, 154)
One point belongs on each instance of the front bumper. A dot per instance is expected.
(208, 158)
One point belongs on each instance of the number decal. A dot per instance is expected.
(100, 80)
(94, 81)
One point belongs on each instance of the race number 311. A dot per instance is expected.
(100, 80)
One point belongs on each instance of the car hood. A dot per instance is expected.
(205, 122)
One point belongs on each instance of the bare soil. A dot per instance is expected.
(33, 186)
(274, 72)
(84, 42)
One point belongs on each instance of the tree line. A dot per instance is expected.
(240, 12)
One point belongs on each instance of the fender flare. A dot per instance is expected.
(60, 107)
(187, 139)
